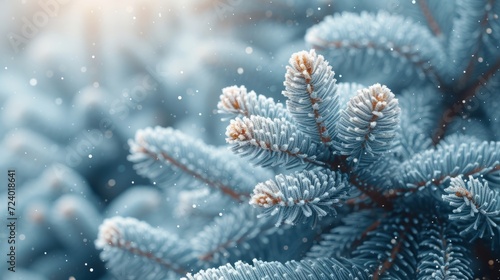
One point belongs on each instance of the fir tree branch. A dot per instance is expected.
(476, 208)
(224, 240)
(126, 245)
(342, 239)
(166, 156)
(110, 240)
(312, 95)
(418, 119)
(435, 167)
(364, 31)
(390, 249)
(471, 36)
(237, 102)
(441, 253)
(321, 268)
(481, 81)
(413, 58)
(307, 194)
(387, 264)
(368, 125)
(367, 231)
(437, 181)
(274, 142)
(215, 184)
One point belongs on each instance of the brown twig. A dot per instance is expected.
(433, 25)
(365, 233)
(387, 264)
(435, 181)
(340, 164)
(472, 61)
(410, 57)
(464, 96)
(207, 256)
(129, 246)
(218, 185)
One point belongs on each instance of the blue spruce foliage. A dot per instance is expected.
(377, 171)
(253, 140)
